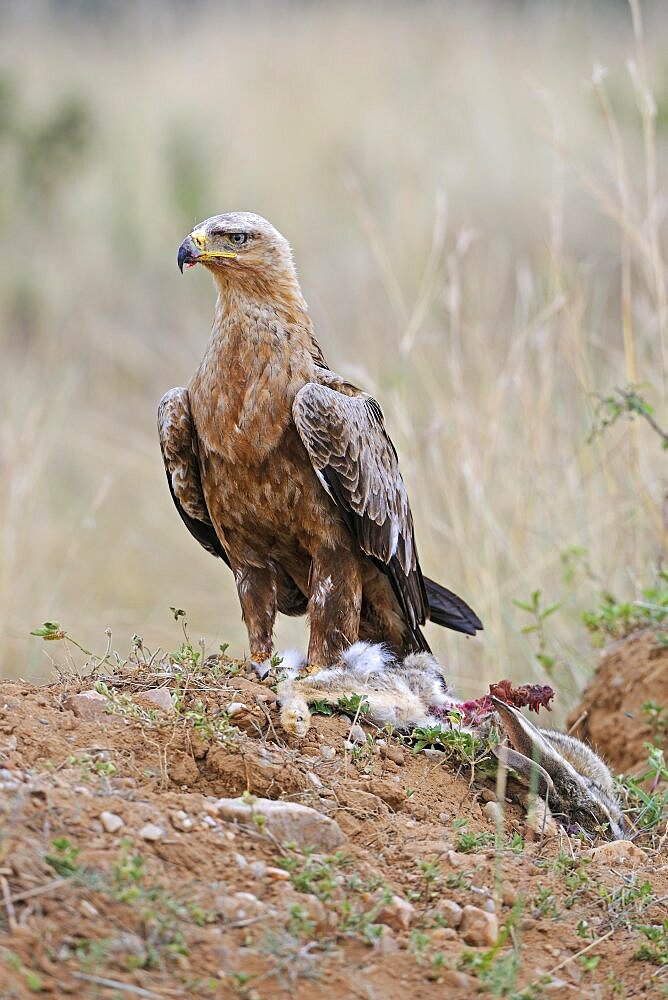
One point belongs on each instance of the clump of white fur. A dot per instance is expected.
(398, 693)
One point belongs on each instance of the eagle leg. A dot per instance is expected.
(256, 587)
(335, 601)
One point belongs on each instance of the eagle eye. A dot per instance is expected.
(237, 238)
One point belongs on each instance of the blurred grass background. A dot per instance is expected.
(476, 197)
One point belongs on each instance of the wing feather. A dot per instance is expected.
(350, 450)
(178, 441)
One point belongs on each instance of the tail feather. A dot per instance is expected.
(449, 610)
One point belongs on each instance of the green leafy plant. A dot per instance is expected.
(539, 615)
(63, 857)
(614, 619)
(627, 403)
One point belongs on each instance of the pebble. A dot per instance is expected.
(181, 821)
(258, 869)
(239, 906)
(160, 697)
(151, 832)
(209, 821)
(314, 779)
(278, 874)
(493, 811)
(449, 912)
(87, 909)
(459, 981)
(442, 934)
(240, 861)
(385, 943)
(87, 705)
(235, 707)
(489, 905)
(620, 852)
(329, 753)
(394, 753)
(487, 795)
(478, 927)
(111, 822)
(509, 895)
(397, 914)
(286, 821)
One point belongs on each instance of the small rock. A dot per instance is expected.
(393, 753)
(620, 852)
(455, 859)
(391, 793)
(385, 943)
(459, 981)
(257, 869)
(478, 927)
(397, 914)
(267, 697)
(489, 905)
(181, 821)
(239, 906)
(508, 895)
(487, 795)
(235, 707)
(493, 811)
(160, 697)
(111, 822)
(286, 821)
(329, 753)
(314, 779)
(442, 934)
(278, 874)
(87, 909)
(151, 832)
(448, 912)
(87, 705)
(357, 734)
(541, 821)
(240, 861)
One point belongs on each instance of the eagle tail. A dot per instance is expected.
(449, 610)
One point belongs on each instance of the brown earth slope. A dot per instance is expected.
(615, 716)
(122, 874)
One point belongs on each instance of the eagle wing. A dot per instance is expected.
(178, 441)
(357, 464)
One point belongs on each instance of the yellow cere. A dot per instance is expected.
(212, 256)
(198, 236)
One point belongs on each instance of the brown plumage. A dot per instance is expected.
(285, 471)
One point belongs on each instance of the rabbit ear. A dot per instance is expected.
(529, 769)
(529, 742)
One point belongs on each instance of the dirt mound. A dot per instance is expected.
(626, 703)
(123, 874)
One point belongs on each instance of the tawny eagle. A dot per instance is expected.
(284, 470)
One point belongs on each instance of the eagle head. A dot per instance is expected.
(237, 244)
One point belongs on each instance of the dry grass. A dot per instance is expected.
(480, 233)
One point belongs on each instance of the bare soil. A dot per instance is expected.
(89, 913)
(613, 716)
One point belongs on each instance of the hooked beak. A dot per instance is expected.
(193, 251)
(188, 254)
